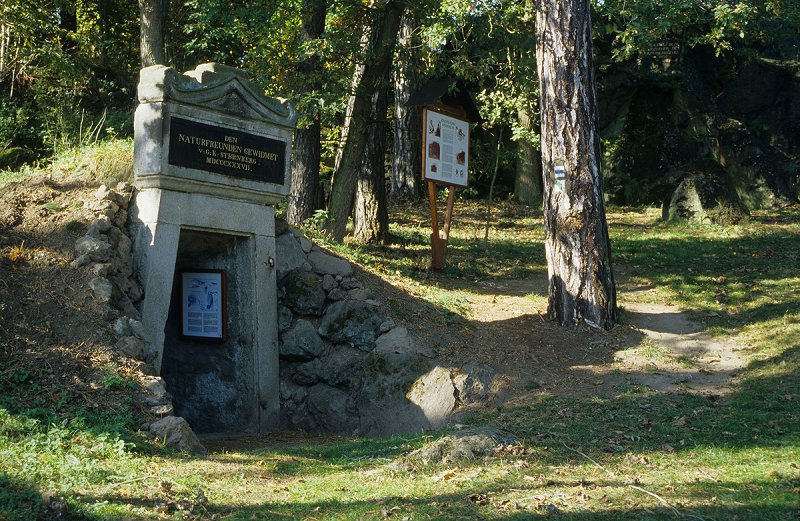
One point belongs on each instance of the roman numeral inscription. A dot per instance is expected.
(226, 151)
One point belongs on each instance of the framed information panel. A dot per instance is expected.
(445, 148)
(203, 305)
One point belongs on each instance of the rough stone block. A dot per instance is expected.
(355, 323)
(323, 264)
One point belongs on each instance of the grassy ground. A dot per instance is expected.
(636, 455)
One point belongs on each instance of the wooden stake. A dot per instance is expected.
(437, 252)
(439, 244)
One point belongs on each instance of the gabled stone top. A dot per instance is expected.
(216, 87)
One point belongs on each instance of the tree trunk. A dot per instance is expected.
(153, 18)
(406, 164)
(385, 24)
(528, 181)
(305, 193)
(370, 216)
(576, 235)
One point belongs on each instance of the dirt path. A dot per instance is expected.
(658, 347)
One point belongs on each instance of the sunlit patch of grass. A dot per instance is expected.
(107, 161)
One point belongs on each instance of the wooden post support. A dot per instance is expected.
(438, 243)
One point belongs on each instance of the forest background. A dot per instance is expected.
(698, 100)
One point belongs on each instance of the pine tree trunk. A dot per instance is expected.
(406, 164)
(153, 19)
(370, 215)
(305, 193)
(528, 181)
(385, 23)
(576, 235)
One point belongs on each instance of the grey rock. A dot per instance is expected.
(337, 294)
(399, 341)
(355, 323)
(323, 264)
(102, 288)
(307, 266)
(153, 401)
(102, 193)
(121, 218)
(473, 383)
(99, 226)
(101, 269)
(135, 293)
(686, 203)
(359, 294)
(328, 282)
(463, 447)
(131, 346)
(387, 325)
(343, 367)
(288, 255)
(332, 410)
(281, 226)
(124, 246)
(294, 393)
(137, 328)
(372, 302)
(308, 373)
(285, 317)
(176, 433)
(155, 386)
(304, 293)
(305, 244)
(434, 394)
(162, 409)
(350, 283)
(390, 374)
(81, 261)
(121, 327)
(97, 249)
(301, 343)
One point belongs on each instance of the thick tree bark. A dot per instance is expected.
(370, 215)
(528, 181)
(406, 165)
(153, 19)
(386, 22)
(305, 195)
(576, 235)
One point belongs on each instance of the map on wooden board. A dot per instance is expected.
(445, 148)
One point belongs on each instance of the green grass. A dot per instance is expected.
(107, 161)
(734, 456)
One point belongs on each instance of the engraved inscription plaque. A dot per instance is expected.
(226, 151)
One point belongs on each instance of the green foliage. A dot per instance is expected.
(64, 65)
(724, 25)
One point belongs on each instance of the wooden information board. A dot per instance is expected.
(445, 160)
(445, 148)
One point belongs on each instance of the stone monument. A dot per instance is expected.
(211, 158)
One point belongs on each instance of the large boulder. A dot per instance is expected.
(473, 383)
(332, 410)
(325, 264)
(464, 446)
(685, 203)
(304, 293)
(301, 343)
(176, 433)
(288, 255)
(434, 394)
(356, 323)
